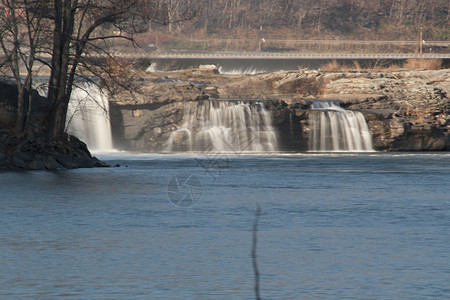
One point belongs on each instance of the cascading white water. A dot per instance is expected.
(88, 117)
(333, 128)
(152, 68)
(238, 71)
(230, 126)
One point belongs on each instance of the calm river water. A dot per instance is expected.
(353, 226)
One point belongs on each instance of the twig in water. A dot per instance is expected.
(255, 263)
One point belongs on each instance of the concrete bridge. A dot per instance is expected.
(273, 55)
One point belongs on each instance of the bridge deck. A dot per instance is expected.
(267, 55)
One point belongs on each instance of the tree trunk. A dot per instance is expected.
(20, 111)
(58, 97)
(57, 121)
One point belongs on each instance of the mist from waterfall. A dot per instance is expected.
(88, 117)
(225, 126)
(333, 128)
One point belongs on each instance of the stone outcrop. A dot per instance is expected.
(22, 154)
(405, 110)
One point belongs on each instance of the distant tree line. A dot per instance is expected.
(363, 19)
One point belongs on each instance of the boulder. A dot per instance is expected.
(24, 154)
(209, 68)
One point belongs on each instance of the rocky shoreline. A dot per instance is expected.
(405, 110)
(68, 153)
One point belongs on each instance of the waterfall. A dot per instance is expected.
(333, 128)
(88, 117)
(230, 126)
(238, 71)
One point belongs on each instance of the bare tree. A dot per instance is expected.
(71, 33)
(21, 34)
(350, 18)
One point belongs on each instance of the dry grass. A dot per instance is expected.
(385, 65)
(335, 66)
(422, 63)
(331, 66)
(357, 66)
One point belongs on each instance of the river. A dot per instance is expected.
(353, 226)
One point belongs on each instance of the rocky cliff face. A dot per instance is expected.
(405, 110)
(144, 121)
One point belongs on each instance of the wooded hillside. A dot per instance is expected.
(306, 19)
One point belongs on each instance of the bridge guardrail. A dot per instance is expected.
(268, 55)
